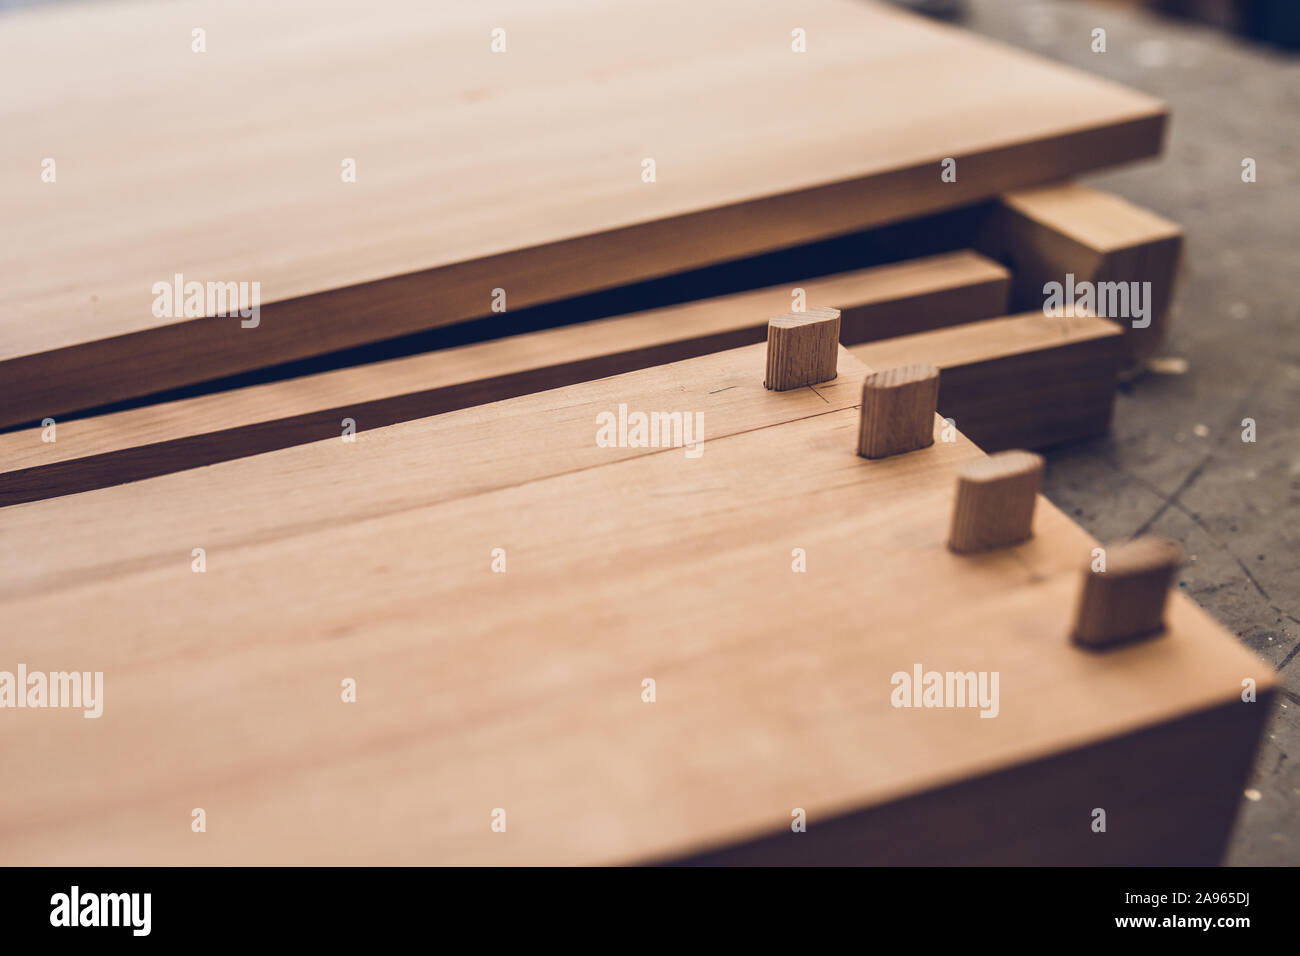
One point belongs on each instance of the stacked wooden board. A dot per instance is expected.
(523, 170)
(1010, 380)
(523, 689)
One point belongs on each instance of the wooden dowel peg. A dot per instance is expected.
(1126, 600)
(994, 504)
(898, 407)
(802, 348)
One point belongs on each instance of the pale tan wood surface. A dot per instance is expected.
(1102, 221)
(973, 342)
(523, 690)
(475, 171)
(97, 451)
(1046, 232)
(1177, 788)
(1019, 381)
(386, 471)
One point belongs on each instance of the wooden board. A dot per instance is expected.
(1019, 381)
(474, 171)
(522, 690)
(103, 450)
(1047, 232)
(411, 464)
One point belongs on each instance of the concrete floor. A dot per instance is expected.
(1174, 463)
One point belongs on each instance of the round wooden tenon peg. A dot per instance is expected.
(994, 504)
(898, 407)
(803, 348)
(1125, 586)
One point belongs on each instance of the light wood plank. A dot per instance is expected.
(387, 470)
(1019, 381)
(523, 690)
(1049, 231)
(475, 171)
(103, 450)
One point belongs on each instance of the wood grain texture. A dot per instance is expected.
(1124, 599)
(400, 467)
(103, 450)
(474, 171)
(1021, 381)
(802, 348)
(523, 690)
(994, 502)
(1046, 232)
(1029, 815)
(898, 406)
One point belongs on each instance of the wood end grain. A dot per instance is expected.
(802, 348)
(898, 407)
(994, 503)
(1126, 600)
